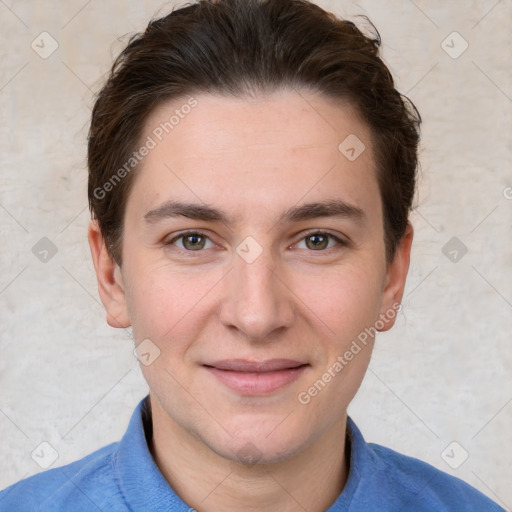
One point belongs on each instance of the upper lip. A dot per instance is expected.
(243, 365)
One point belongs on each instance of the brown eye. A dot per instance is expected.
(320, 242)
(192, 242)
(317, 241)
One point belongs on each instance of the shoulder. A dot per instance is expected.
(84, 485)
(385, 480)
(420, 486)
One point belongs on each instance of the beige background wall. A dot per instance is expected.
(443, 374)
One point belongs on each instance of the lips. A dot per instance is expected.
(256, 377)
(242, 365)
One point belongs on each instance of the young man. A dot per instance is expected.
(251, 171)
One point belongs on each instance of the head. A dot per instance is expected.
(251, 172)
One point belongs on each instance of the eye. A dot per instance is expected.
(196, 241)
(320, 241)
(192, 241)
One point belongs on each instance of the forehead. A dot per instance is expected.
(285, 117)
(267, 151)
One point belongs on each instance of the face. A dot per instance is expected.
(253, 259)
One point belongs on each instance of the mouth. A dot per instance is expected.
(256, 377)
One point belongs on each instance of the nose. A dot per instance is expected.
(257, 302)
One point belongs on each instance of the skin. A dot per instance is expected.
(254, 158)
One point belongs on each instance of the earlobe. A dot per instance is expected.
(109, 278)
(396, 276)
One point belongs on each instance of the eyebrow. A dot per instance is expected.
(330, 208)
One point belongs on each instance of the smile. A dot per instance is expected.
(256, 378)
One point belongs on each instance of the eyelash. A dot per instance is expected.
(340, 243)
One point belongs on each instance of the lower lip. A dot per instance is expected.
(261, 383)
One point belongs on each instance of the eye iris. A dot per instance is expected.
(191, 242)
(318, 241)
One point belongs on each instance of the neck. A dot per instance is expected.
(309, 480)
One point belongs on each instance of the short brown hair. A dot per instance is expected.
(237, 47)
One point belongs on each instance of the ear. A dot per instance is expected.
(396, 275)
(110, 279)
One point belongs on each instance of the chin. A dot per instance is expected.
(251, 453)
(253, 444)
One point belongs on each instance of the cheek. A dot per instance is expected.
(166, 305)
(347, 305)
(170, 305)
(345, 299)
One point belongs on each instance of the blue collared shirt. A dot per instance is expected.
(123, 477)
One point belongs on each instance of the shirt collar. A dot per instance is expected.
(143, 486)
